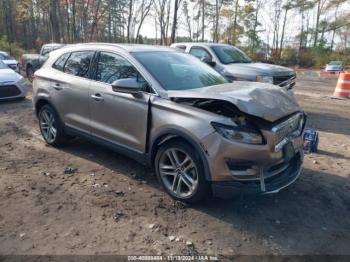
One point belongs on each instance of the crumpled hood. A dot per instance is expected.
(258, 99)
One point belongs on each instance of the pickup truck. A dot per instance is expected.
(32, 62)
(235, 65)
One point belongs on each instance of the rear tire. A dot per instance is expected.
(30, 73)
(180, 171)
(51, 126)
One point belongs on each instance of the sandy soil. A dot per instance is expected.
(112, 205)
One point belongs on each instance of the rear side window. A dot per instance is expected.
(60, 62)
(78, 63)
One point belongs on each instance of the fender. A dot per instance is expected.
(170, 133)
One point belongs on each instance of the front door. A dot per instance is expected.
(117, 117)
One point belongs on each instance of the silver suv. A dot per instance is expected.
(174, 113)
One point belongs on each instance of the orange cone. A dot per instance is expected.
(342, 89)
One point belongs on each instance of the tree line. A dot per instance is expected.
(260, 27)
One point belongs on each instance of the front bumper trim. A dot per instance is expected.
(270, 185)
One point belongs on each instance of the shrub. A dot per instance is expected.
(13, 49)
(289, 57)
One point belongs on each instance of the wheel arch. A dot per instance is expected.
(28, 65)
(40, 103)
(173, 134)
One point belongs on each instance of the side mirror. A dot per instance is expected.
(208, 61)
(127, 85)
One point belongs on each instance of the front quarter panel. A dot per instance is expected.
(190, 123)
(193, 122)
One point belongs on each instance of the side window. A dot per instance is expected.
(78, 63)
(200, 53)
(59, 64)
(112, 67)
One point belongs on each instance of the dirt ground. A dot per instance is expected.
(113, 205)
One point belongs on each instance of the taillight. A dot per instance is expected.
(34, 77)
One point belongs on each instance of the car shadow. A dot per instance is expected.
(332, 154)
(310, 215)
(110, 159)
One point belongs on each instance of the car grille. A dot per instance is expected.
(9, 91)
(284, 80)
(286, 128)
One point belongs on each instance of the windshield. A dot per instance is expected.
(230, 55)
(3, 65)
(5, 57)
(178, 71)
(335, 63)
(48, 49)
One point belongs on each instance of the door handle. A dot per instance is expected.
(57, 86)
(97, 97)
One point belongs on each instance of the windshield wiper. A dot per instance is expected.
(238, 62)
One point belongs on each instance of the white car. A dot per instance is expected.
(334, 66)
(12, 84)
(9, 61)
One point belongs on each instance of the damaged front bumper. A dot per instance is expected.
(270, 181)
(260, 169)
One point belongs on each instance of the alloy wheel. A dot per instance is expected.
(178, 172)
(48, 126)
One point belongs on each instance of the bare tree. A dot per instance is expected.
(162, 8)
(173, 30)
(286, 8)
(130, 15)
(203, 14)
(141, 14)
(187, 19)
(320, 8)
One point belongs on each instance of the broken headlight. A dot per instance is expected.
(239, 134)
(301, 124)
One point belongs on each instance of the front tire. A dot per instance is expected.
(181, 172)
(51, 127)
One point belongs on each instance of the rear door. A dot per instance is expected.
(70, 89)
(118, 117)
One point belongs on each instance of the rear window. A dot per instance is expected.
(60, 62)
(78, 63)
(335, 63)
